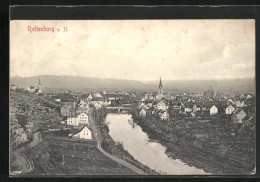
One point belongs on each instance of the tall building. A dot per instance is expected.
(39, 84)
(160, 91)
(39, 87)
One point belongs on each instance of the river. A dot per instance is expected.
(152, 154)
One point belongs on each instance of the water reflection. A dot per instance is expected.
(122, 129)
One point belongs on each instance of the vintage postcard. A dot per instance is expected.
(132, 97)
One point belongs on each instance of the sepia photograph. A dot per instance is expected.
(132, 97)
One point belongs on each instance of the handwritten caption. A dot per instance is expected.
(46, 29)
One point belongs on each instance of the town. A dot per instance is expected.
(51, 130)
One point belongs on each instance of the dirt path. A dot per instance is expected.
(24, 164)
(20, 162)
(98, 137)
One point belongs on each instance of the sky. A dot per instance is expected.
(134, 49)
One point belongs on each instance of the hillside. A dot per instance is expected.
(78, 82)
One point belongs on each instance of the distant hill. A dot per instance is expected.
(227, 85)
(75, 82)
(78, 82)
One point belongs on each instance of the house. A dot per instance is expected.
(168, 97)
(149, 96)
(82, 107)
(142, 112)
(73, 120)
(230, 109)
(204, 108)
(230, 101)
(201, 135)
(95, 100)
(239, 104)
(13, 87)
(148, 103)
(175, 107)
(98, 95)
(164, 116)
(193, 115)
(194, 108)
(159, 96)
(162, 106)
(31, 89)
(213, 110)
(82, 103)
(188, 107)
(83, 118)
(83, 133)
(89, 97)
(97, 105)
(141, 105)
(239, 116)
(248, 97)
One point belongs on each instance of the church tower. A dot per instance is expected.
(39, 84)
(160, 91)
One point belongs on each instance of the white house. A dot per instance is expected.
(98, 95)
(142, 113)
(73, 120)
(213, 110)
(248, 97)
(13, 87)
(148, 96)
(97, 105)
(239, 104)
(194, 108)
(95, 100)
(188, 109)
(230, 109)
(231, 101)
(193, 115)
(159, 96)
(162, 106)
(84, 133)
(82, 104)
(89, 97)
(164, 116)
(83, 118)
(141, 105)
(31, 89)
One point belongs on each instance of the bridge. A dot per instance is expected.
(119, 109)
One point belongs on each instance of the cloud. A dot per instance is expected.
(136, 49)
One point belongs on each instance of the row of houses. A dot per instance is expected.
(193, 104)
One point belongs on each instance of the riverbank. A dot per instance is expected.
(180, 144)
(115, 148)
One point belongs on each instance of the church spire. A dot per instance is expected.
(160, 91)
(160, 84)
(40, 84)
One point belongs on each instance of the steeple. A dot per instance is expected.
(160, 91)
(160, 84)
(39, 84)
